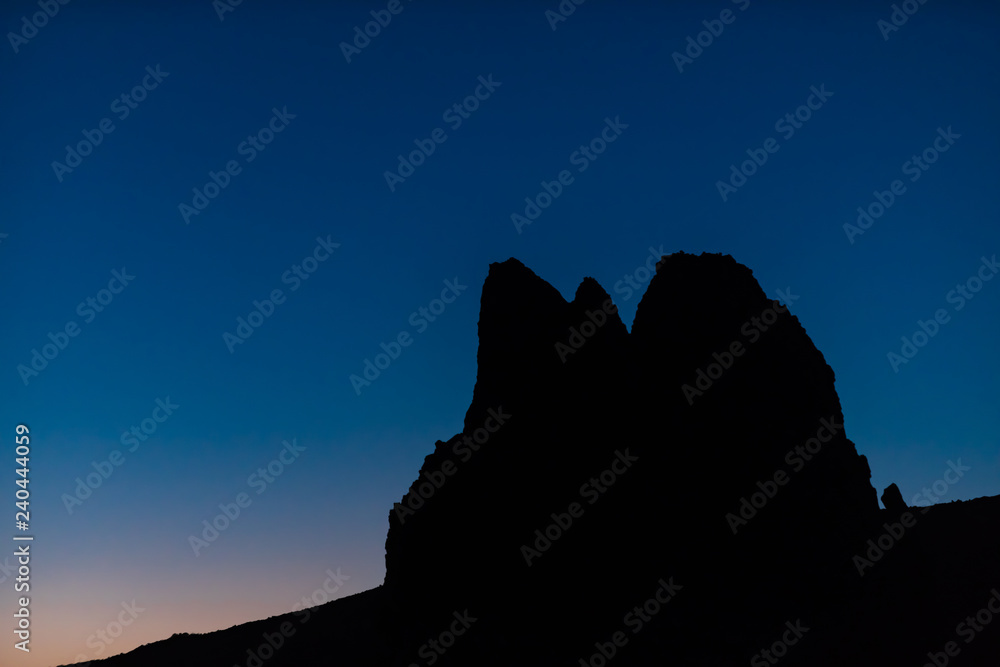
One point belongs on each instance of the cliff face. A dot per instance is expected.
(681, 494)
(707, 445)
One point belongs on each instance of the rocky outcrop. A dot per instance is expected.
(892, 499)
(728, 410)
(682, 494)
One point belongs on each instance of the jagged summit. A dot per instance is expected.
(681, 494)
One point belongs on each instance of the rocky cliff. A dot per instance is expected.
(684, 493)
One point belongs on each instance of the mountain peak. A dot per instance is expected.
(702, 457)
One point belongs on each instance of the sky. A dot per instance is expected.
(216, 214)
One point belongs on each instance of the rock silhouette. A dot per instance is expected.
(682, 494)
(892, 499)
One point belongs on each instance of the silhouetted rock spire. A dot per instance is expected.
(682, 494)
(893, 499)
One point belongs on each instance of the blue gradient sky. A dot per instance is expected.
(323, 176)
